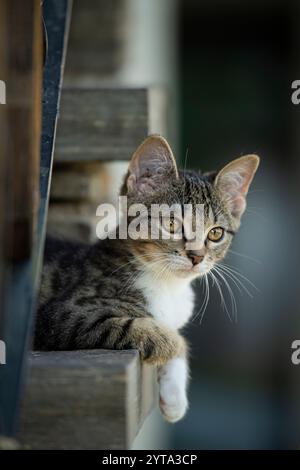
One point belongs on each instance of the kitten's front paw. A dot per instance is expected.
(156, 343)
(173, 402)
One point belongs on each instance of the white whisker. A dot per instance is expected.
(237, 273)
(231, 294)
(204, 304)
(223, 303)
(244, 256)
(236, 280)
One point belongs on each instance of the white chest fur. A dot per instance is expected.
(170, 302)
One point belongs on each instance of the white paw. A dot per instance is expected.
(172, 401)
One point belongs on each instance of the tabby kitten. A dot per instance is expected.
(137, 294)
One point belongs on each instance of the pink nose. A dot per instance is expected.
(195, 258)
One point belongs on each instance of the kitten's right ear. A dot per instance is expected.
(233, 182)
(151, 164)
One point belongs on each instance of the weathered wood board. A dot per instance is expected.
(101, 124)
(20, 122)
(85, 399)
(97, 36)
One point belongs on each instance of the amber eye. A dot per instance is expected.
(216, 234)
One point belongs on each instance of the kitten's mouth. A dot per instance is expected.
(192, 271)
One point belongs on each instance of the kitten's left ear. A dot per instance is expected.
(233, 182)
(152, 164)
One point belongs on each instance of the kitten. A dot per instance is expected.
(137, 294)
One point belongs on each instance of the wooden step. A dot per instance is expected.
(74, 221)
(106, 124)
(94, 399)
(82, 181)
(101, 124)
(97, 36)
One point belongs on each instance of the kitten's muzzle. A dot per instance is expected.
(195, 257)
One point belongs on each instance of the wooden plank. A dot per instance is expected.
(20, 121)
(21, 70)
(97, 38)
(85, 400)
(101, 124)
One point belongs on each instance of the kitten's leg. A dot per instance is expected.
(156, 343)
(173, 381)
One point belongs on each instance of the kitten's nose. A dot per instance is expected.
(195, 258)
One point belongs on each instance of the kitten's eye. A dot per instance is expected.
(216, 234)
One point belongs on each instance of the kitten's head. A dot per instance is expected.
(153, 178)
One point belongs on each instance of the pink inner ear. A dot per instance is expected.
(238, 205)
(131, 182)
(152, 162)
(234, 180)
(245, 186)
(234, 188)
(147, 182)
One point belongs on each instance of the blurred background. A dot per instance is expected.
(219, 74)
(236, 64)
